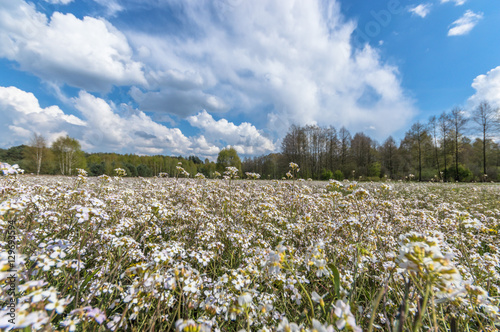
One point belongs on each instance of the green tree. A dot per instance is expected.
(132, 170)
(338, 175)
(144, 171)
(326, 174)
(68, 154)
(96, 169)
(228, 157)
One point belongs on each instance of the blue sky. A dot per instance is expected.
(192, 77)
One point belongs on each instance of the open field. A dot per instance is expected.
(95, 254)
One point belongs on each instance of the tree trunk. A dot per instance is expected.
(444, 155)
(456, 157)
(484, 154)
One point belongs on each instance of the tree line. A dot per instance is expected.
(65, 155)
(456, 146)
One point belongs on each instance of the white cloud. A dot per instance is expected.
(291, 60)
(245, 138)
(273, 63)
(465, 23)
(421, 10)
(112, 6)
(203, 148)
(59, 2)
(456, 2)
(178, 102)
(22, 115)
(104, 127)
(132, 130)
(89, 53)
(487, 88)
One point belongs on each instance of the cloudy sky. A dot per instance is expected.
(191, 76)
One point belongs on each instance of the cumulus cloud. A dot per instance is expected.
(178, 102)
(291, 60)
(421, 10)
(465, 23)
(456, 2)
(245, 138)
(273, 63)
(487, 88)
(89, 53)
(201, 147)
(22, 115)
(108, 129)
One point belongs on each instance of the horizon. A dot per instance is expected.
(181, 78)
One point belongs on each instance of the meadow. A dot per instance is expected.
(162, 254)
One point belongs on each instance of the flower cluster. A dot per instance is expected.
(165, 254)
(6, 169)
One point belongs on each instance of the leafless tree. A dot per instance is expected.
(416, 136)
(38, 143)
(458, 125)
(388, 154)
(345, 143)
(444, 128)
(433, 128)
(487, 122)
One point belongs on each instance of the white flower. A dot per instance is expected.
(322, 269)
(23, 319)
(190, 286)
(343, 312)
(191, 325)
(56, 304)
(318, 327)
(317, 298)
(244, 299)
(288, 327)
(70, 323)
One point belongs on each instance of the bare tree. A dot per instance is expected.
(433, 128)
(416, 136)
(487, 121)
(444, 128)
(332, 147)
(345, 143)
(38, 143)
(388, 153)
(458, 122)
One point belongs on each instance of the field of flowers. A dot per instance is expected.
(162, 254)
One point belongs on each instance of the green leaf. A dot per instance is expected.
(89, 277)
(336, 279)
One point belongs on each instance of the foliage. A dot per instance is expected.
(144, 171)
(68, 154)
(97, 169)
(131, 169)
(338, 175)
(464, 174)
(228, 157)
(326, 174)
(374, 169)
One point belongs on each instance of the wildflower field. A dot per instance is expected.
(163, 254)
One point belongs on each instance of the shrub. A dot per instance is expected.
(326, 175)
(338, 175)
